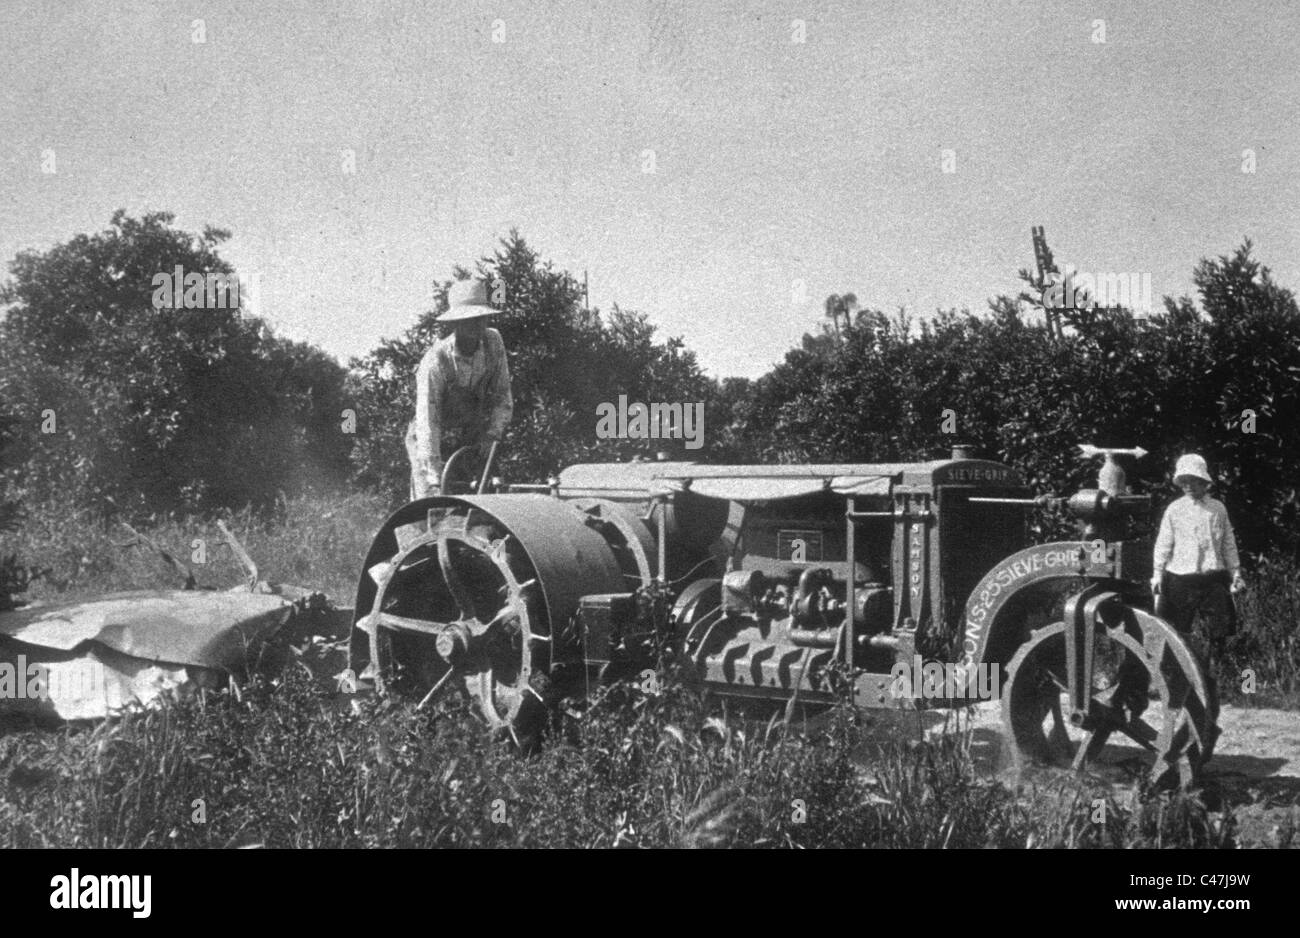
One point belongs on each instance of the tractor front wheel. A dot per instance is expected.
(1146, 686)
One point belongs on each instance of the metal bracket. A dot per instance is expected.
(1081, 613)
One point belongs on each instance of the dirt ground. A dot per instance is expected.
(1255, 769)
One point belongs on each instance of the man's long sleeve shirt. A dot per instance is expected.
(470, 394)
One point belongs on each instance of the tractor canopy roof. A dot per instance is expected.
(767, 483)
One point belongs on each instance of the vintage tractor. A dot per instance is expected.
(899, 585)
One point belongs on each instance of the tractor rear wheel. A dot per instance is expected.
(485, 593)
(461, 604)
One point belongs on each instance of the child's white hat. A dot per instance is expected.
(1192, 465)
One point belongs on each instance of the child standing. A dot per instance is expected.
(1196, 562)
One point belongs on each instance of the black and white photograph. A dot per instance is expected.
(650, 426)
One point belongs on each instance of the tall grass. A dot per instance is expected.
(288, 767)
(317, 541)
(1265, 644)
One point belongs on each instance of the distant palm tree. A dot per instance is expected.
(837, 306)
(832, 312)
(848, 306)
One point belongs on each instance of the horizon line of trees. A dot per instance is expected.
(112, 403)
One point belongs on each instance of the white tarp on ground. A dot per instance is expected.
(90, 686)
(86, 660)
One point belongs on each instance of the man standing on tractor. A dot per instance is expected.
(462, 389)
(1196, 562)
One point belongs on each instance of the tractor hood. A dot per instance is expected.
(729, 483)
(646, 480)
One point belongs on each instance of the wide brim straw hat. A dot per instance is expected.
(1193, 466)
(467, 299)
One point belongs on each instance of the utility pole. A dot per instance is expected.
(586, 299)
(1046, 268)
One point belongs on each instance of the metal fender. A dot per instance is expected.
(992, 623)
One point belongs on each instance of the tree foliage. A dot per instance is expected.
(106, 399)
(159, 409)
(1222, 380)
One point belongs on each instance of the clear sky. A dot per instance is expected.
(775, 161)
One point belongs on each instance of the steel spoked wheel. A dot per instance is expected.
(458, 603)
(1146, 689)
